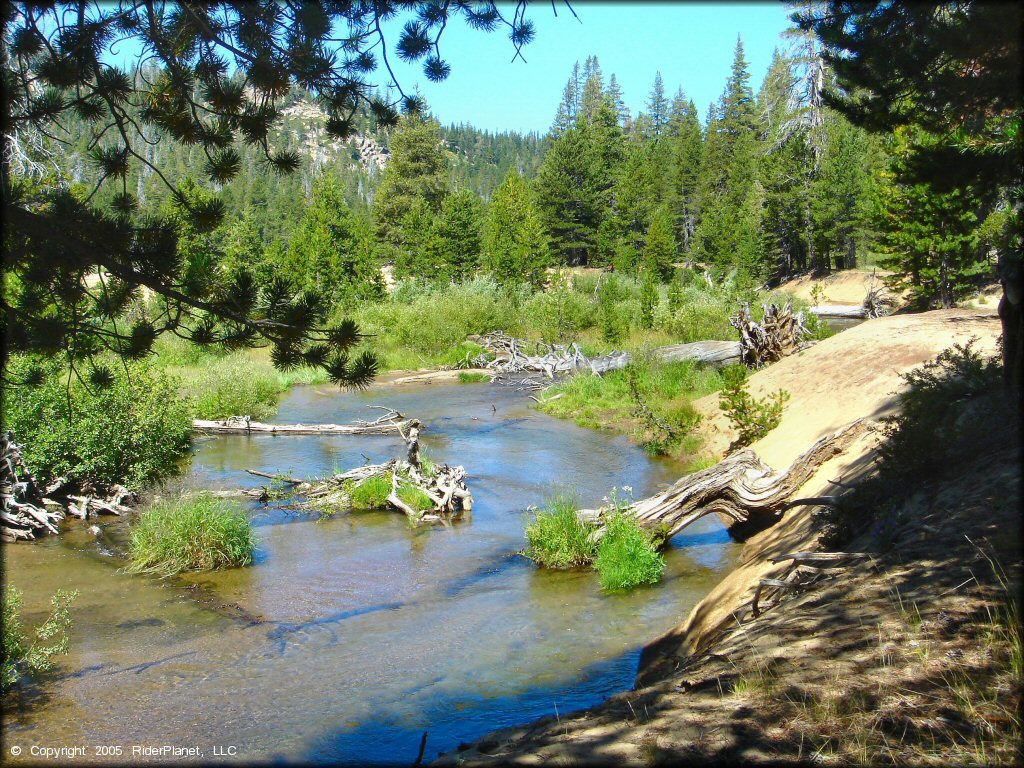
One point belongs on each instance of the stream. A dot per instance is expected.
(351, 636)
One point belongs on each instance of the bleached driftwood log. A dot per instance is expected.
(852, 311)
(445, 486)
(23, 512)
(390, 423)
(511, 356)
(877, 303)
(780, 333)
(738, 488)
(28, 510)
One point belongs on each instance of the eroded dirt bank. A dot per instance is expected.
(878, 661)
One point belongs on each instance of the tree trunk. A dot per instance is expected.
(738, 488)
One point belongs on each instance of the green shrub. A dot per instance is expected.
(431, 319)
(415, 498)
(557, 538)
(132, 432)
(627, 555)
(235, 385)
(26, 656)
(751, 418)
(191, 534)
(372, 493)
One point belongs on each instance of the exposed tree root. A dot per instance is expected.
(738, 488)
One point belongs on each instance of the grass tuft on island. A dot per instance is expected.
(372, 493)
(625, 557)
(201, 533)
(558, 538)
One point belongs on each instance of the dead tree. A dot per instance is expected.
(779, 334)
(390, 423)
(28, 510)
(511, 356)
(738, 488)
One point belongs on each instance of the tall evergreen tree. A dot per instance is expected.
(841, 194)
(569, 108)
(658, 107)
(593, 90)
(731, 199)
(615, 94)
(660, 246)
(515, 244)
(418, 169)
(458, 234)
(787, 170)
(683, 172)
(932, 235)
(635, 201)
(324, 254)
(569, 196)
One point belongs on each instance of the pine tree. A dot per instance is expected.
(569, 108)
(635, 200)
(841, 194)
(683, 171)
(729, 202)
(660, 246)
(418, 250)
(569, 196)
(648, 297)
(593, 90)
(615, 94)
(658, 108)
(787, 170)
(515, 243)
(244, 249)
(458, 232)
(418, 169)
(323, 254)
(932, 236)
(738, 111)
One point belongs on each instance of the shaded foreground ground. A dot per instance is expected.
(905, 659)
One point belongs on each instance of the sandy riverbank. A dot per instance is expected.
(723, 687)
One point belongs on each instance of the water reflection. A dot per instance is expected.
(351, 636)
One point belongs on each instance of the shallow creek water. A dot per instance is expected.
(350, 637)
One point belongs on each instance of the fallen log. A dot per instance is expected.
(29, 509)
(391, 423)
(739, 487)
(805, 570)
(23, 511)
(444, 486)
(840, 310)
(510, 356)
(877, 303)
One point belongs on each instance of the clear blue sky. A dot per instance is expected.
(692, 44)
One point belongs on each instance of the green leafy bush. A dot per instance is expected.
(557, 538)
(132, 432)
(466, 377)
(191, 534)
(627, 555)
(26, 655)
(235, 385)
(750, 417)
(372, 493)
